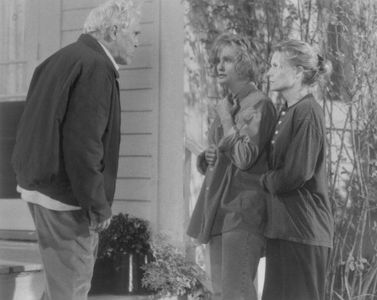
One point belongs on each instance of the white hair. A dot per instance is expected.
(114, 12)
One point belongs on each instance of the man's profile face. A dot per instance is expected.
(125, 43)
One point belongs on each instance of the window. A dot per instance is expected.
(13, 65)
(13, 86)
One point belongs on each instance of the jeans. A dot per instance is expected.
(232, 262)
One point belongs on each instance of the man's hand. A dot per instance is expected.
(211, 155)
(101, 226)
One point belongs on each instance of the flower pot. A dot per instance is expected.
(128, 274)
(103, 275)
(120, 276)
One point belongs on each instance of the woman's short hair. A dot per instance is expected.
(301, 54)
(245, 64)
(122, 13)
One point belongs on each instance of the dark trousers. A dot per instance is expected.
(295, 271)
(233, 263)
(68, 249)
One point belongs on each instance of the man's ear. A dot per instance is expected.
(110, 34)
(113, 31)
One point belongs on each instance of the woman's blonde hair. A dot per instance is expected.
(301, 54)
(245, 64)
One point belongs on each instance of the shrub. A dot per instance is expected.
(125, 235)
(170, 273)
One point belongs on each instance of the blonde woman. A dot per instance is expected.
(300, 221)
(230, 213)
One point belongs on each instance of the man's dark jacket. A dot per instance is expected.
(67, 144)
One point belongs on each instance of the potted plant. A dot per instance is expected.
(169, 273)
(123, 248)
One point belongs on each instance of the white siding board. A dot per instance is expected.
(134, 167)
(70, 37)
(142, 58)
(137, 209)
(74, 19)
(147, 32)
(74, 4)
(137, 100)
(133, 189)
(15, 215)
(80, 10)
(136, 122)
(136, 145)
(49, 17)
(135, 79)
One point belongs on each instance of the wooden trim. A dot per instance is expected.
(8, 270)
(155, 104)
(18, 235)
(12, 62)
(13, 97)
(171, 121)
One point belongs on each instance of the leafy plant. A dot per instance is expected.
(170, 273)
(125, 235)
(352, 161)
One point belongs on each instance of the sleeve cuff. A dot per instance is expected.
(229, 139)
(96, 217)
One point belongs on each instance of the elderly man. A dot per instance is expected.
(66, 153)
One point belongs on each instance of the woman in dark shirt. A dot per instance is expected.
(300, 225)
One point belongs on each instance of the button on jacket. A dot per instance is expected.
(299, 208)
(231, 187)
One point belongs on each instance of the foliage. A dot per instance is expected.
(125, 235)
(262, 22)
(169, 273)
(353, 268)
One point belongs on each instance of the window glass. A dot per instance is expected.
(13, 74)
(13, 65)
